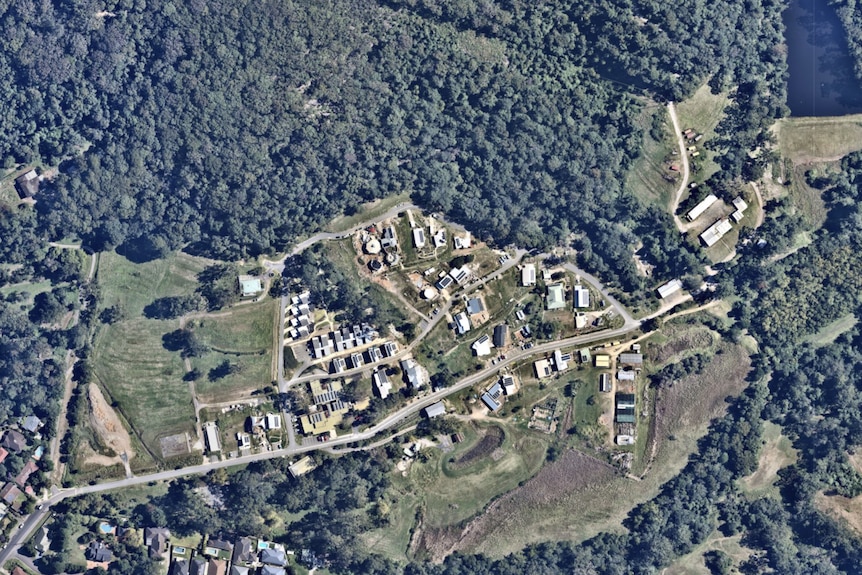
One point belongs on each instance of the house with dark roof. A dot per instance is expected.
(180, 567)
(275, 557)
(216, 567)
(157, 540)
(238, 570)
(501, 335)
(10, 493)
(32, 423)
(99, 552)
(14, 441)
(243, 551)
(198, 566)
(27, 184)
(272, 570)
(29, 469)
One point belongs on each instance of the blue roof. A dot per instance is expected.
(490, 402)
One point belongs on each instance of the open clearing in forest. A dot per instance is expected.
(702, 112)
(830, 332)
(775, 454)
(107, 424)
(693, 563)
(649, 177)
(819, 139)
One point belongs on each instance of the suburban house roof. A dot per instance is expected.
(543, 368)
(271, 570)
(435, 409)
(180, 567)
(27, 184)
(271, 556)
(508, 383)
(381, 383)
(29, 469)
(32, 423)
(414, 374)
(740, 204)
(242, 549)
(216, 567)
(701, 207)
(462, 323)
(198, 566)
(669, 288)
(556, 298)
(482, 346)
(10, 493)
(501, 335)
(419, 238)
(220, 544)
(560, 361)
(14, 441)
(474, 306)
(238, 570)
(99, 552)
(3, 454)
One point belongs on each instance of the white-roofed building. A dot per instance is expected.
(381, 383)
(701, 207)
(462, 323)
(482, 346)
(715, 232)
(669, 288)
(528, 275)
(435, 409)
(582, 296)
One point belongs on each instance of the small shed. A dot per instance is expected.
(27, 184)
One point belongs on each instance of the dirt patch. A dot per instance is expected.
(107, 425)
(490, 442)
(844, 509)
(569, 476)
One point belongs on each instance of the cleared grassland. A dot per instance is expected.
(830, 332)
(807, 140)
(594, 497)
(144, 379)
(776, 453)
(693, 563)
(648, 177)
(702, 113)
(243, 336)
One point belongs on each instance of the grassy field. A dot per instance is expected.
(807, 140)
(647, 177)
(31, 289)
(243, 336)
(367, 212)
(702, 113)
(448, 488)
(776, 453)
(140, 375)
(693, 563)
(830, 332)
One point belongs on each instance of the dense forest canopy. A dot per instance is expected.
(234, 127)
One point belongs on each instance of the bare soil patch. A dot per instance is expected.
(107, 424)
(491, 441)
(844, 509)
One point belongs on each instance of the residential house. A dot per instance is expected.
(414, 374)
(273, 421)
(216, 567)
(435, 409)
(43, 544)
(491, 398)
(418, 238)
(198, 566)
(3, 455)
(270, 556)
(740, 206)
(180, 567)
(238, 570)
(460, 275)
(580, 320)
(32, 423)
(374, 354)
(24, 476)
(244, 548)
(715, 232)
(463, 242)
(474, 306)
(508, 383)
(582, 297)
(543, 368)
(157, 540)
(249, 285)
(219, 548)
(389, 239)
(390, 348)
(356, 360)
(98, 552)
(482, 346)
(701, 207)
(501, 336)
(462, 323)
(440, 238)
(561, 360)
(338, 365)
(670, 288)
(528, 275)
(14, 441)
(27, 184)
(10, 494)
(381, 383)
(272, 570)
(584, 355)
(556, 298)
(444, 282)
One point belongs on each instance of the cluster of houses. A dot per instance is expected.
(414, 374)
(258, 426)
(343, 339)
(711, 235)
(437, 233)
(14, 443)
(382, 246)
(326, 410)
(558, 362)
(457, 276)
(300, 316)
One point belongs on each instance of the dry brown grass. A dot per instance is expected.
(845, 510)
(682, 342)
(776, 453)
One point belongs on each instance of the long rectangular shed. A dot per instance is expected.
(701, 207)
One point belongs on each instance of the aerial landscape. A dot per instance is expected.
(431, 287)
